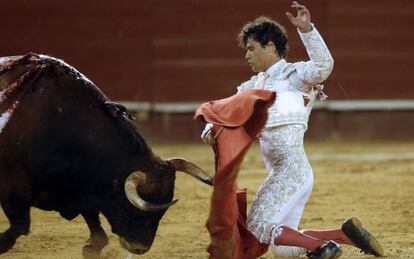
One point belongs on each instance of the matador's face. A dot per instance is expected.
(260, 58)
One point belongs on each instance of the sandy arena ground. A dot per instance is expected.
(373, 181)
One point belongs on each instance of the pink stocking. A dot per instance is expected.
(336, 235)
(291, 237)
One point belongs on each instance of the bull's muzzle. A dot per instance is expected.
(134, 248)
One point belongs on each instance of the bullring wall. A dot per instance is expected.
(148, 53)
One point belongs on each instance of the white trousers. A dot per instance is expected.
(282, 196)
(291, 218)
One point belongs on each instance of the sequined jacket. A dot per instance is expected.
(297, 85)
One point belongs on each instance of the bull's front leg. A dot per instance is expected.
(18, 213)
(98, 239)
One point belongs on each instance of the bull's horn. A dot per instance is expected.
(191, 169)
(131, 190)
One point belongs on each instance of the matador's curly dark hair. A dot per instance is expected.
(263, 30)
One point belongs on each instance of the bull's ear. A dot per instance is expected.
(131, 187)
(186, 166)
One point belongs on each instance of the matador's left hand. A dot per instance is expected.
(302, 20)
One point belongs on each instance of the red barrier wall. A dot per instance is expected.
(186, 50)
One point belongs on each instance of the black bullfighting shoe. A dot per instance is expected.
(329, 250)
(364, 240)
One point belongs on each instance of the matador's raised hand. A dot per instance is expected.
(302, 20)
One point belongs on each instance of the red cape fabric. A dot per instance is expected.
(243, 116)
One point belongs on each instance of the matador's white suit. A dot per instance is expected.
(282, 196)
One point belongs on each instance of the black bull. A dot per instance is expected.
(65, 147)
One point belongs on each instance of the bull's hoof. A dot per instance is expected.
(6, 243)
(94, 246)
(91, 252)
